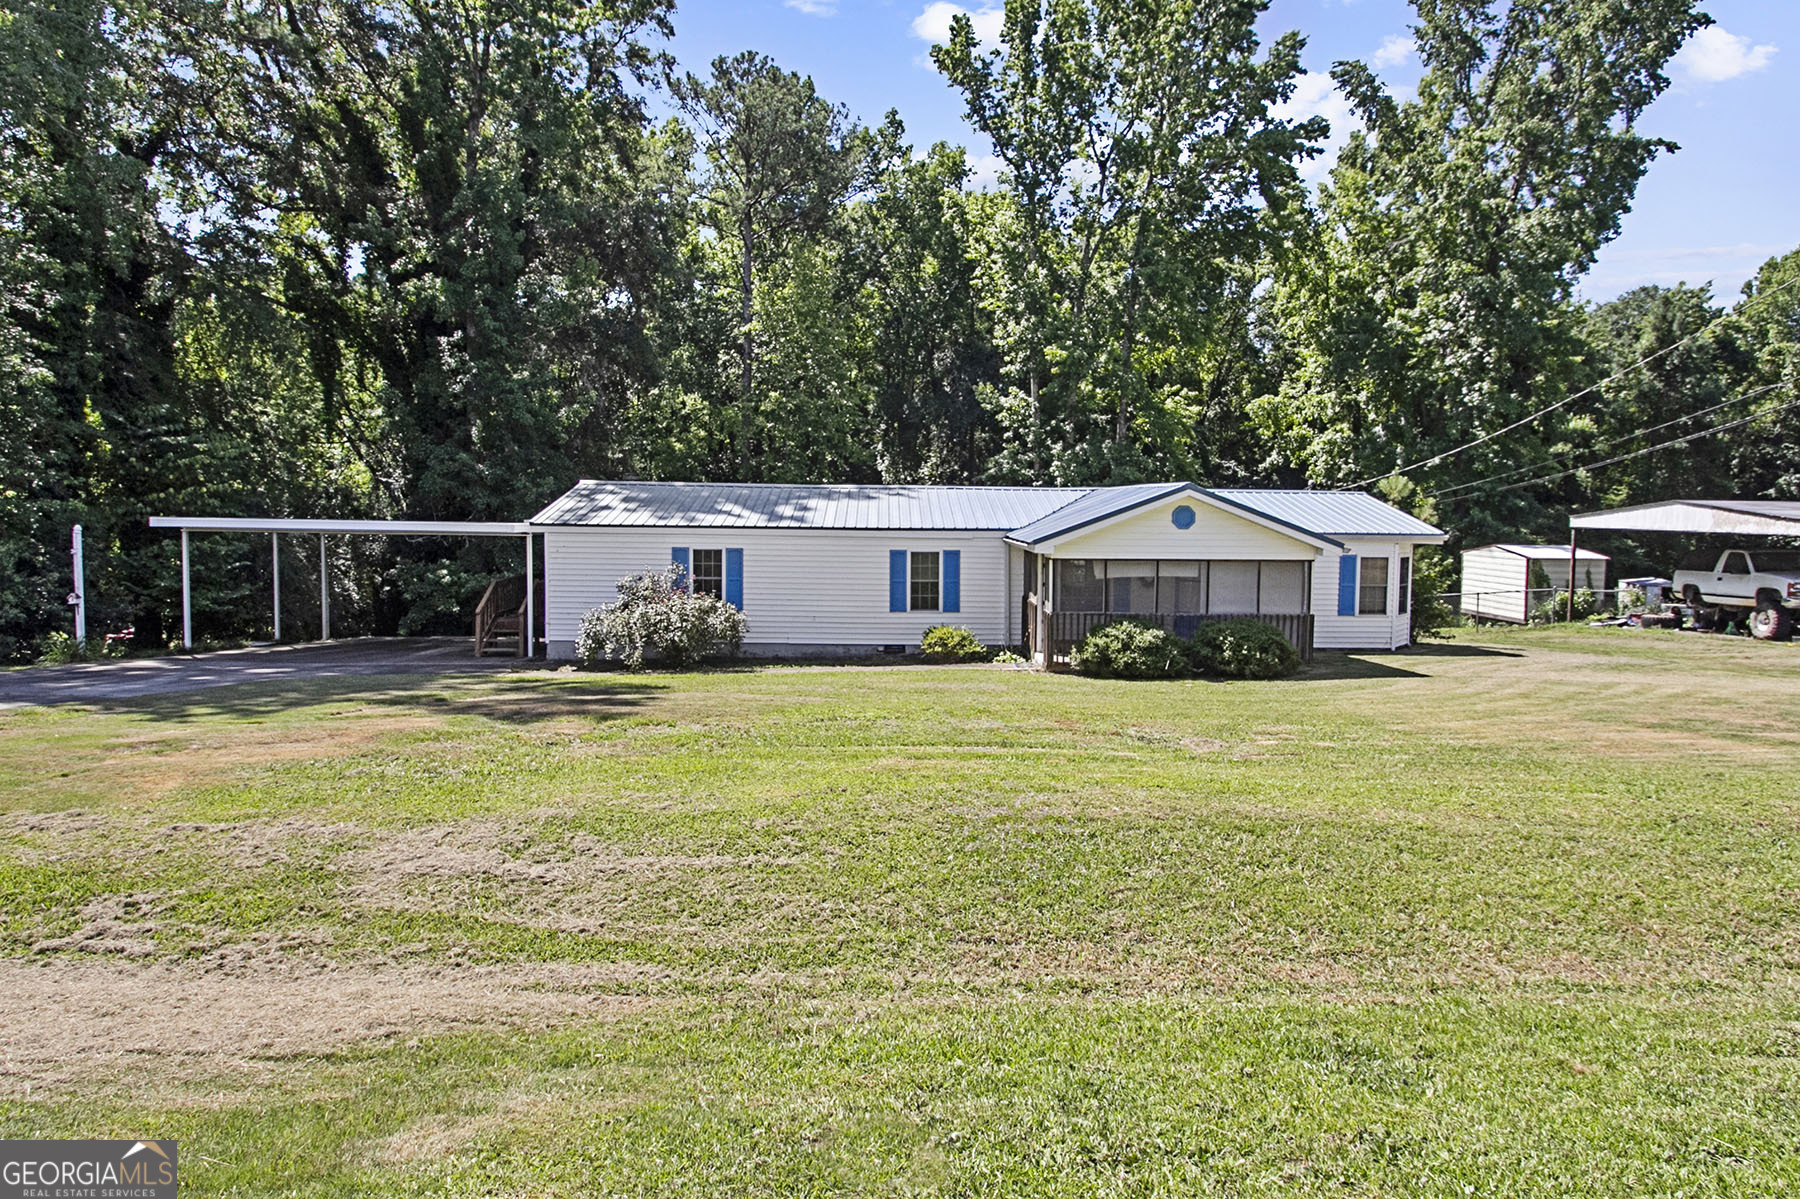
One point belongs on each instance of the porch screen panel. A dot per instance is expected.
(1283, 588)
(1131, 586)
(1080, 585)
(1180, 588)
(1231, 587)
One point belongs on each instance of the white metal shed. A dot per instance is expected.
(1496, 579)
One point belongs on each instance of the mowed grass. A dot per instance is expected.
(1515, 915)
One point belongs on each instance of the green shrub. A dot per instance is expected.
(1556, 608)
(657, 619)
(1130, 649)
(951, 643)
(1007, 658)
(1242, 649)
(61, 649)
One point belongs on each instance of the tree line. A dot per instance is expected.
(428, 260)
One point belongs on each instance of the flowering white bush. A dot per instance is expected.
(658, 619)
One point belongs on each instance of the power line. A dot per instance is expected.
(1609, 442)
(1566, 400)
(1707, 432)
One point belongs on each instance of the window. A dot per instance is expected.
(1405, 585)
(924, 581)
(1372, 594)
(1283, 588)
(709, 573)
(1180, 588)
(1131, 587)
(1736, 563)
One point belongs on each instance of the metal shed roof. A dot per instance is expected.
(793, 506)
(1762, 518)
(1548, 552)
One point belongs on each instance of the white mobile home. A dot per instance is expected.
(1496, 579)
(854, 568)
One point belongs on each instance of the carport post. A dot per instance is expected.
(187, 608)
(1571, 574)
(530, 633)
(324, 595)
(275, 557)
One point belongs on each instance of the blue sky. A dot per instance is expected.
(1711, 213)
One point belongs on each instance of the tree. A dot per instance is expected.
(1437, 307)
(1148, 175)
(781, 162)
(452, 195)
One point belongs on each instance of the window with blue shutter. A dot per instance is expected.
(896, 580)
(1347, 585)
(679, 557)
(734, 578)
(952, 580)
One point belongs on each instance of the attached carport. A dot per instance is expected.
(327, 528)
(1732, 518)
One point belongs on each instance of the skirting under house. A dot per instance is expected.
(844, 568)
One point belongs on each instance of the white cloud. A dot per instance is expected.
(984, 172)
(1713, 56)
(1315, 95)
(813, 8)
(1395, 49)
(1725, 267)
(933, 24)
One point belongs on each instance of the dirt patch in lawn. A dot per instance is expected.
(68, 1021)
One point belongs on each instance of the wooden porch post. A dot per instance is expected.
(1043, 610)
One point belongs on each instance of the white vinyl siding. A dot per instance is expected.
(1388, 630)
(802, 587)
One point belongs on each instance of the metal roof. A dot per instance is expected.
(1763, 518)
(1098, 504)
(1029, 515)
(795, 506)
(1333, 513)
(383, 528)
(1547, 552)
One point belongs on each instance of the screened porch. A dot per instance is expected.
(1178, 594)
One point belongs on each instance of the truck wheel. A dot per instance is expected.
(1771, 622)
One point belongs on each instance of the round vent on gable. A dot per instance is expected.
(1183, 516)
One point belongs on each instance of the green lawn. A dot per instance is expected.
(1515, 915)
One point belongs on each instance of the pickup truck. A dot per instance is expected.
(1765, 582)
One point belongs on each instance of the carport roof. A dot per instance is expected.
(1756, 518)
(383, 528)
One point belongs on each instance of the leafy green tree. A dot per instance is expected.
(781, 161)
(1436, 308)
(1148, 174)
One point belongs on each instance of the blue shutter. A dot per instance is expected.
(679, 556)
(734, 578)
(952, 580)
(1347, 585)
(896, 580)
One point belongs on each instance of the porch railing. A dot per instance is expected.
(1068, 628)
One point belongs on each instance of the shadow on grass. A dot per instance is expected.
(509, 699)
(1329, 664)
